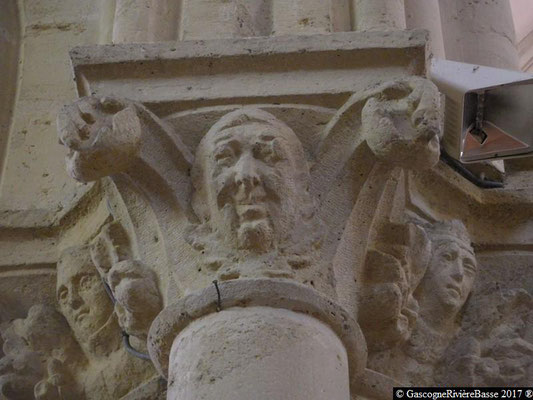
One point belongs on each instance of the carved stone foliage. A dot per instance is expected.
(496, 348)
(109, 136)
(40, 355)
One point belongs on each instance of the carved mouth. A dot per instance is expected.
(81, 314)
(454, 289)
(251, 212)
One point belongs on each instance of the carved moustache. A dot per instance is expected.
(268, 189)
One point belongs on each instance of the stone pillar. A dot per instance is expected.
(215, 19)
(10, 41)
(270, 339)
(379, 14)
(259, 353)
(425, 14)
(140, 21)
(310, 16)
(479, 33)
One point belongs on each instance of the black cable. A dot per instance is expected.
(219, 299)
(131, 350)
(125, 336)
(461, 170)
(109, 292)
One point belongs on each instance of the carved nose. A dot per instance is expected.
(246, 174)
(74, 300)
(458, 273)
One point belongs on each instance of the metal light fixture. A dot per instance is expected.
(488, 111)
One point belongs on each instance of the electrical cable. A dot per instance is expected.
(461, 170)
(125, 336)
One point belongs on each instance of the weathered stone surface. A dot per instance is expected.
(268, 215)
(165, 76)
(268, 347)
(422, 331)
(272, 293)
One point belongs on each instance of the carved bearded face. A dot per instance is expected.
(81, 294)
(251, 179)
(451, 274)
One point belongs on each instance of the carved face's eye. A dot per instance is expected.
(269, 153)
(448, 256)
(86, 282)
(261, 151)
(62, 294)
(224, 156)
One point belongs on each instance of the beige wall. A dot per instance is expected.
(33, 176)
(10, 35)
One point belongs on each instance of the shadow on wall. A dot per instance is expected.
(10, 34)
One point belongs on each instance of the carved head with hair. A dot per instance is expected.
(82, 298)
(251, 181)
(452, 269)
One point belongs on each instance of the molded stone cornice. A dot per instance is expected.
(323, 68)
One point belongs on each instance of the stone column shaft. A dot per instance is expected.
(425, 14)
(263, 339)
(258, 353)
(141, 21)
(479, 33)
(379, 14)
(215, 19)
(310, 16)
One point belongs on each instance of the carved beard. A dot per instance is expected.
(255, 235)
(249, 213)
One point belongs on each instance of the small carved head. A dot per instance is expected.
(251, 179)
(133, 284)
(138, 299)
(81, 294)
(402, 124)
(451, 270)
(102, 136)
